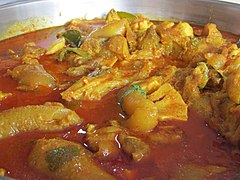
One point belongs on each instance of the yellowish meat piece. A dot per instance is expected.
(144, 71)
(214, 36)
(184, 29)
(181, 33)
(176, 40)
(116, 15)
(233, 86)
(201, 70)
(131, 38)
(160, 92)
(195, 49)
(108, 61)
(30, 53)
(150, 41)
(102, 141)
(63, 159)
(231, 123)
(94, 88)
(84, 26)
(92, 46)
(111, 29)
(112, 16)
(225, 116)
(31, 76)
(133, 146)
(167, 72)
(140, 24)
(169, 103)
(151, 84)
(118, 45)
(146, 54)
(50, 116)
(143, 113)
(197, 80)
(4, 95)
(232, 54)
(217, 61)
(167, 24)
(202, 105)
(79, 71)
(231, 51)
(233, 65)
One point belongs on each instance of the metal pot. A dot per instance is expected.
(28, 15)
(23, 16)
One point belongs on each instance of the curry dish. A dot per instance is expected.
(120, 98)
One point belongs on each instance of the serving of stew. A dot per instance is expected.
(121, 97)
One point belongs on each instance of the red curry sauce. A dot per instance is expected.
(201, 144)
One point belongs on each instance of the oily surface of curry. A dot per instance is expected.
(120, 98)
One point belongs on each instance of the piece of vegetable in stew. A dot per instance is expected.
(122, 97)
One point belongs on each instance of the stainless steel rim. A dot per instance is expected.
(224, 14)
